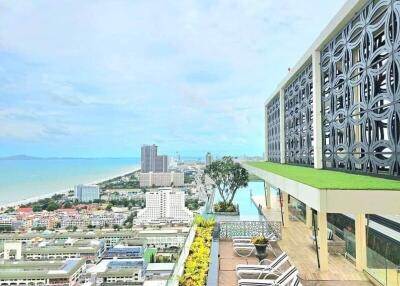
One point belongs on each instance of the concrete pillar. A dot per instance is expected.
(268, 195)
(317, 111)
(323, 240)
(282, 124)
(308, 217)
(285, 208)
(361, 242)
(266, 133)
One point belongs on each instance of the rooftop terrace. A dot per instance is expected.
(296, 242)
(328, 179)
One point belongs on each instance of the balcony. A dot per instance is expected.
(297, 243)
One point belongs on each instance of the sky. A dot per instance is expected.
(100, 78)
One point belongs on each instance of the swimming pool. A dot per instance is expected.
(248, 210)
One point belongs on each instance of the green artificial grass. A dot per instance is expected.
(327, 179)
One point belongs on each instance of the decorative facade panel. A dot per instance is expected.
(272, 114)
(299, 148)
(361, 92)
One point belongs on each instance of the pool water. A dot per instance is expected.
(248, 210)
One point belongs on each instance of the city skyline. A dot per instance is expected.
(98, 80)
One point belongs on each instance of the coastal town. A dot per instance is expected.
(200, 143)
(129, 229)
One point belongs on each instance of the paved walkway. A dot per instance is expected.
(229, 260)
(296, 242)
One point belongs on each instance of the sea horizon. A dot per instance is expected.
(23, 180)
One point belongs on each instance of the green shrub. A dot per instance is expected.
(224, 207)
(196, 265)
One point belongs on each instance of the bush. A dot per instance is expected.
(196, 265)
(224, 207)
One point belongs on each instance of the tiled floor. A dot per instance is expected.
(297, 244)
(228, 261)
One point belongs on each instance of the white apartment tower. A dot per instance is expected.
(165, 205)
(87, 193)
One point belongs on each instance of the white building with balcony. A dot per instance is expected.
(161, 179)
(165, 205)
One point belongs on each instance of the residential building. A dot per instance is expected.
(165, 205)
(159, 271)
(40, 249)
(151, 162)
(53, 273)
(117, 271)
(337, 109)
(87, 193)
(161, 179)
(208, 158)
(124, 251)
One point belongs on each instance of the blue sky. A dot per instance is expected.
(99, 78)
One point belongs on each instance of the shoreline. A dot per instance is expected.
(64, 191)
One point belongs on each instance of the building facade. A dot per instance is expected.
(151, 161)
(165, 205)
(339, 109)
(208, 158)
(69, 272)
(161, 179)
(87, 193)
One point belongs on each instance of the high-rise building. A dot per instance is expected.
(161, 179)
(208, 158)
(151, 162)
(165, 204)
(87, 193)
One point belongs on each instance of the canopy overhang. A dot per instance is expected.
(384, 202)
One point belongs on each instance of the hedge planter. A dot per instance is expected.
(220, 209)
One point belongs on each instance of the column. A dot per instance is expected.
(266, 133)
(282, 124)
(317, 112)
(285, 208)
(268, 195)
(308, 217)
(323, 240)
(361, 242)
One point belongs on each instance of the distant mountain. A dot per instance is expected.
(19, 157)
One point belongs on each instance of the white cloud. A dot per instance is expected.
(195, 73)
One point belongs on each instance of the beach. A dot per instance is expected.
(26, 184)
(65, 191)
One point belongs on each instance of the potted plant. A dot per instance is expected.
(260, 242)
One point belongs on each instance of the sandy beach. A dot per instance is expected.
(64, 191)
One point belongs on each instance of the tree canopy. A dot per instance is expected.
(228, 177)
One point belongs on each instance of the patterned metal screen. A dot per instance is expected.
(360, 92)
(274, 153)
(299, 119)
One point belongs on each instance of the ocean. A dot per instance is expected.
(25, 179)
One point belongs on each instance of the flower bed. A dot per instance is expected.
(197, 263)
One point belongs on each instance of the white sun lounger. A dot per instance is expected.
(284, 279)
(244, 249)
(261, 270)
(247, 239)
(240, 243)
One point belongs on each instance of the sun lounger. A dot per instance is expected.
(284, 279)
(263, 269)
